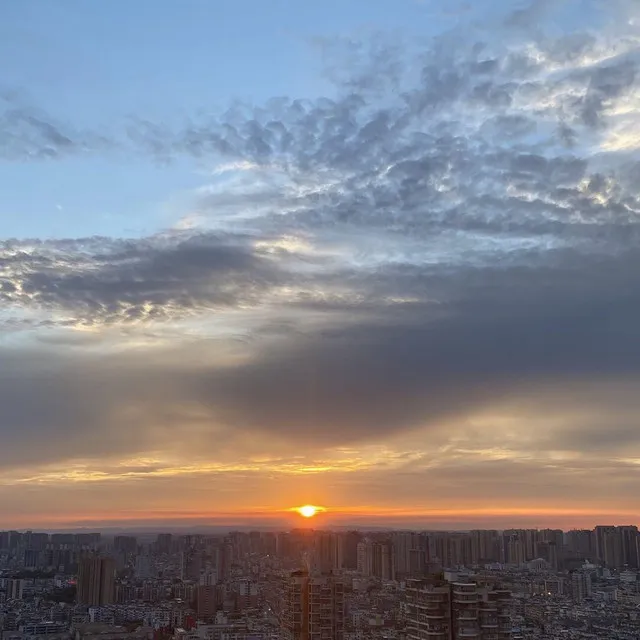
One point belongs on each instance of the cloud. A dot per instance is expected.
(30, 133)
(450, 237)
(99, 280)
(409, 369)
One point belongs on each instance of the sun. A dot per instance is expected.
(308, 510)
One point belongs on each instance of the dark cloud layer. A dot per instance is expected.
(99, 280)
(448, 232)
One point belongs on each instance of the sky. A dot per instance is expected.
(376, 256)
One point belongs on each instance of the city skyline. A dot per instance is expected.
(304, 584)
(376, 257)
(384, 554)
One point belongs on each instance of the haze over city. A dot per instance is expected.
(377, 257)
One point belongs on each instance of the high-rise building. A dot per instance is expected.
(144, 567)
(31, 558)
(554, 586)
(608, 545)
(269, 546)
(127, 544)
(438, 610)
(417, 562)
(207, 601)
(221, 556)
(383, 561)
(581, 543)
(164, 543)
(516, 550)
(313, 607)
(15, 539)
(62, 540)
(580, 585)
(350, 549)
(548, 551)
(616, 547)
(284, 544)
(89, 541)
(410, 553)
(15, 588)
(96, 579)
(39, 541)
(364, 560)
(494, 611)
(555, 536)
(485, 547)
(246, 595)
(403, 544)
(327, 552)
(428, 610)
(190, 565)
(376, 559)
(630, 548)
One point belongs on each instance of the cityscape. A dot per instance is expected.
(319, 319)
(307, 584)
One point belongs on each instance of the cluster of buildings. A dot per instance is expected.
(516, 584)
